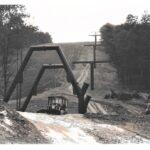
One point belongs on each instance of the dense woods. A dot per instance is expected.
(128, 46)
(15, 35)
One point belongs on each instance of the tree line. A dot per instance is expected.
(15, 35)
(128, 46)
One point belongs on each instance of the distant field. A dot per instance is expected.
(51, 78)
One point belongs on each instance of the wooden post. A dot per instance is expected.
(94, 48)
(94, 55)
(91, 69)
(92, 75)
(84, 88)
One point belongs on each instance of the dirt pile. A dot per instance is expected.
(124, 96)
(16, 129)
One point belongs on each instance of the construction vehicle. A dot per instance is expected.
(57, 105)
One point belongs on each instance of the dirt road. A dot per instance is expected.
(78, 129)
(110, 121)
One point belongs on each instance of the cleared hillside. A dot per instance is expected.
(107, 120)
(51, 78)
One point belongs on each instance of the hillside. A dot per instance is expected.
(107, 120)
(51, 78)
(49, 82)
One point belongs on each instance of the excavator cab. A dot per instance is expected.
(57, 105)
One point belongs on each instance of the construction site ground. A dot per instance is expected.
(107, 120)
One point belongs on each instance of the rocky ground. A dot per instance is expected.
(16, 129)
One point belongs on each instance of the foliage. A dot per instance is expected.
(128, 45)
(15, 34)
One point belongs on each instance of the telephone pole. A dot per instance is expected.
(91, 63)
(94, 47)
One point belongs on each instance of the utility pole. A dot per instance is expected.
(17, 101)
(19, 81)
(94, 47)
(91, 63)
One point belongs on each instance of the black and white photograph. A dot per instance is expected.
(74, 72)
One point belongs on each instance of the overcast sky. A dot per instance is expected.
(74, 20)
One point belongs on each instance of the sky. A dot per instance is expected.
(74, 20)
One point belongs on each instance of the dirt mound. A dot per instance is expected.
(16, 129)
